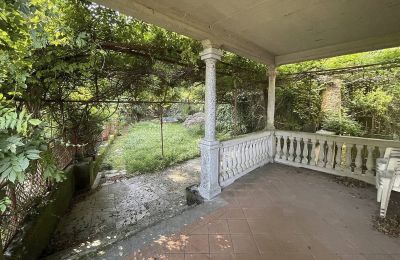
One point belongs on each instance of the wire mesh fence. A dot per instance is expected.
(23, 197)
(26, 196)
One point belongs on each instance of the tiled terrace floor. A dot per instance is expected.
(280, 212)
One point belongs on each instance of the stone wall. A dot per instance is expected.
(331, 97)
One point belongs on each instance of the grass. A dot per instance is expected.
(138, 150)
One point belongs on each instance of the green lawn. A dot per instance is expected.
(138, 149)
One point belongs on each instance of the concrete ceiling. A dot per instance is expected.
(276, 31)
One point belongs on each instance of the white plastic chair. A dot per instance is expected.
(387, 177)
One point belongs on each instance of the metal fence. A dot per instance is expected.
(26, 196)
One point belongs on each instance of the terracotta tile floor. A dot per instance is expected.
(280, 212)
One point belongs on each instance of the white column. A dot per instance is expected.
(272, 72)
(209, 146)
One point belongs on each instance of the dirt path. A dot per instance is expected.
(122, 205)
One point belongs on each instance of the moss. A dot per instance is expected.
(100, 157)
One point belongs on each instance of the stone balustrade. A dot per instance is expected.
(353, 157)
(244, 154)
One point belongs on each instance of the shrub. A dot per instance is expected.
(342, 125)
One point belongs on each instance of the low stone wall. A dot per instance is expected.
(84, 175)
(40, 225)
(100, 157)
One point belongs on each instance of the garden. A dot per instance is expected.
(138, 149)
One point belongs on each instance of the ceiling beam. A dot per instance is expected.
(194, 29)
(369, 44)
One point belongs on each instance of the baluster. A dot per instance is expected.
(239, 158)
(234, 160)
(284, 148)
(305, 151)
(358, 162)
(321, 154)
(248, 154)
(255, 149)
(278, 154)
(251, 154)
(231, 153)
(291, 149)
(349, 160)
(242, 157)
(338, 165)
(370, 160)
(330, 160)
(264, 150)
(382, 152)
(261, 150)
(298, 149)
(222, 162)
(245, 155)
(312, 153)
(227, 157)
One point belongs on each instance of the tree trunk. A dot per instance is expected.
(235, 112)
(373, 124)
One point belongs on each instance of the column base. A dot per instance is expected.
(209, 179)
(270, 127)
(209, 194)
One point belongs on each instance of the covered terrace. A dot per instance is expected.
(295, 207)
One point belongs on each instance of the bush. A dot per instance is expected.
(225, 119)
(343, 125)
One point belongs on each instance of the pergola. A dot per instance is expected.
(273, 33)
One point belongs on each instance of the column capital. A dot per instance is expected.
(272, 71)
(211, 50)
(211, 53)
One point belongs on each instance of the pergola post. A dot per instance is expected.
(272, 72)
(209, 146)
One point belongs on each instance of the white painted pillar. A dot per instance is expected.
(209, 146)
(272, 72)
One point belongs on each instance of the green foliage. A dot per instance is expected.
(4, 203)
(374, 103)
(225, 122)
(139, 150)
(20, 144)
(369, 95)
(17, 147)
(298, 105)
(342, 125)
